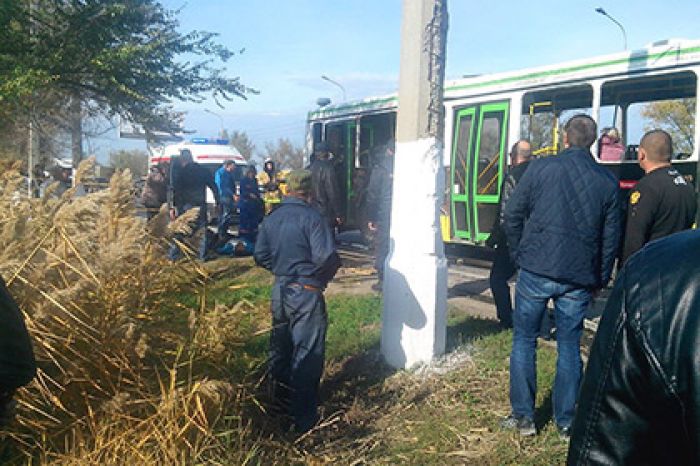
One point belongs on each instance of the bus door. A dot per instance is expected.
(478, 161)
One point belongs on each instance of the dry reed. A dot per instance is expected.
(91, 278)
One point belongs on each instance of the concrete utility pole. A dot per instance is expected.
(415, 283)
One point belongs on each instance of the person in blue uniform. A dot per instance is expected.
(296, 244)
(250, 205)
(225, 181)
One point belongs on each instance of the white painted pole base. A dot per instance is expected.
(415, 274)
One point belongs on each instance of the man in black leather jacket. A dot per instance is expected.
(640, 399)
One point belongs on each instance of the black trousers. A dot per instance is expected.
(297, 349)
(502, 270)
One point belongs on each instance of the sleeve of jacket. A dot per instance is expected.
(497, 236)
(17, 364)
(611, 424)
(611, 238)
(517, 211)
(263, 251)
(219, 181)
(640, 217)
(323, 252)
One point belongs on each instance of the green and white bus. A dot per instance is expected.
(486, 114)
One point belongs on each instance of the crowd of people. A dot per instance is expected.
(562, 228)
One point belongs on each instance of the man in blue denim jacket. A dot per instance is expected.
(563, 229)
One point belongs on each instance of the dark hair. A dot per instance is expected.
(228, 163)
(658, 145)
(581, 131)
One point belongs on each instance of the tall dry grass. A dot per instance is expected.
(91, 278)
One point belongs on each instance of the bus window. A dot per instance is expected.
(545, 112)
(652, 102)
(489, 150)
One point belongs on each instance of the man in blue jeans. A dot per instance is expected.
(563, 228)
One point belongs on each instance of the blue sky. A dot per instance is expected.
(289, 44)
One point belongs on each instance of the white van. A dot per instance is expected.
(208, 152)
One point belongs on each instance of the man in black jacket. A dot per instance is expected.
(379, 194)
(503, 267)
(17, 364)
(640, 397)
(563, 227)
(663, 202)
(324, 182)
(190, 182)
(297, 246)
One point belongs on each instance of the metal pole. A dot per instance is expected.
(221, 120)
(415, 283)
(605, 13)
(326, 78)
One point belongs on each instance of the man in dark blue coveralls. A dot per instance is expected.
(296, 244)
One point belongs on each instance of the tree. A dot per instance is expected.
(135, 160)
(285, 154)
(242, 143)
(677, 117)
(113, 57)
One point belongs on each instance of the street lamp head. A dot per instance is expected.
(601, 11)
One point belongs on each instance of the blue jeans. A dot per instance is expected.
(532, 293)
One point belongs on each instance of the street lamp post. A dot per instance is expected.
(326, 78)
(221, 134)
(605, 13)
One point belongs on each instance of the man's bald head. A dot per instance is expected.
(520, 152)
(657, 145)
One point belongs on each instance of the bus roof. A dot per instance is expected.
(658, 55)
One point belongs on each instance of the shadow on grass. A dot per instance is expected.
(470, 288)
(468, 329)
(544, 412)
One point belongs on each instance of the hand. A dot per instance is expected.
(339, 220)
(372, 226)
(173, 214)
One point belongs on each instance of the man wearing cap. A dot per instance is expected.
(324, 183)
(296, 244)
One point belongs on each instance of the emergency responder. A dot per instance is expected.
(272, 195)
(226, 184)
(379, 206)
(190, 183)
(326, 191)
(297, 246)
(17, 364)
(663, 202)
(61, 177)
